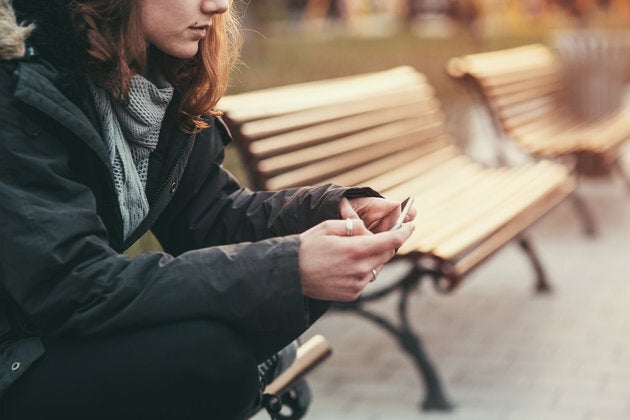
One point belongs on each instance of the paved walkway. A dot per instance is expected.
(503, 352)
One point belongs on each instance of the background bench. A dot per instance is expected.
(386, 130)
(526, 93)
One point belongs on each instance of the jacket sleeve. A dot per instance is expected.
(210, 207)
(57, 268)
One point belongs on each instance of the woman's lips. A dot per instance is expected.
(199, 30)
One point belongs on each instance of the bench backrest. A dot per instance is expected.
(345, 130)
(524, 87)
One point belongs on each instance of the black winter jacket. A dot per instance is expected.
(229, 253)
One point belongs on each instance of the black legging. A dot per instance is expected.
(183, 371)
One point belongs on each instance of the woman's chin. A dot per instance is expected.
(182, 51)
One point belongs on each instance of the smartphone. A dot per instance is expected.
(406, 206)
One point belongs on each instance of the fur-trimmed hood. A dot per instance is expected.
(42, 28)
(12, 34)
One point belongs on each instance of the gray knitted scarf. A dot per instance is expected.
(131, 133)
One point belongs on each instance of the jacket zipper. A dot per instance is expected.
(171, 173)
(168, 179)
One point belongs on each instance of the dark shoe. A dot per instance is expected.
(293, 403)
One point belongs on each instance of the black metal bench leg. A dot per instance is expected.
(624, 176)
(410, 342)
(584, 214)
(542, 285)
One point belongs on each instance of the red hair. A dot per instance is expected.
(116, 50)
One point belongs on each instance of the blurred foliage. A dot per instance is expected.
(289, 59)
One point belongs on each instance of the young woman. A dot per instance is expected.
(107, 130)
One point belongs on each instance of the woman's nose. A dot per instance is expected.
(215, 6)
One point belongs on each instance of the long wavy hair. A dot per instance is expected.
(116, 50)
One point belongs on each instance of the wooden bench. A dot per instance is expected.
(386, 130)
(525, 91)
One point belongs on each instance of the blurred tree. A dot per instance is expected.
(257, 14)
(321, 9)
(412, 9)
(467, 14)
(295, 9)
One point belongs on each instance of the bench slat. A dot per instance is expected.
(283, 100)
(374, 138)
(510, 230)
(525, 77)
(518, 59)
(320, 133)
(344, 156)
(503, 212)
(269, 126)
(410, 162)
(496, 203)
(548, 80)
(447, 219)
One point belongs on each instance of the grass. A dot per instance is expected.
(286, 59)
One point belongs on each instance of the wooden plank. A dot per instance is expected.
(542, 128)
(526, 111)
(410, 168)
(516, 59)
(533, 121)
(608, 133)
(272, 125)
(467, 218)
(347, 155)
(527, 189)
(510, 230)
(520, 97)
(502, 76)
(286, 99)
(410, 160)
(328, 130)
(549, 80)
(377, 136)
(464, 208)
(422, 184)
(456, 175)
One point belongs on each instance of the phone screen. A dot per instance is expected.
(406, 206)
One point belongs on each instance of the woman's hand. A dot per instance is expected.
(337, 257)
(378, 214)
